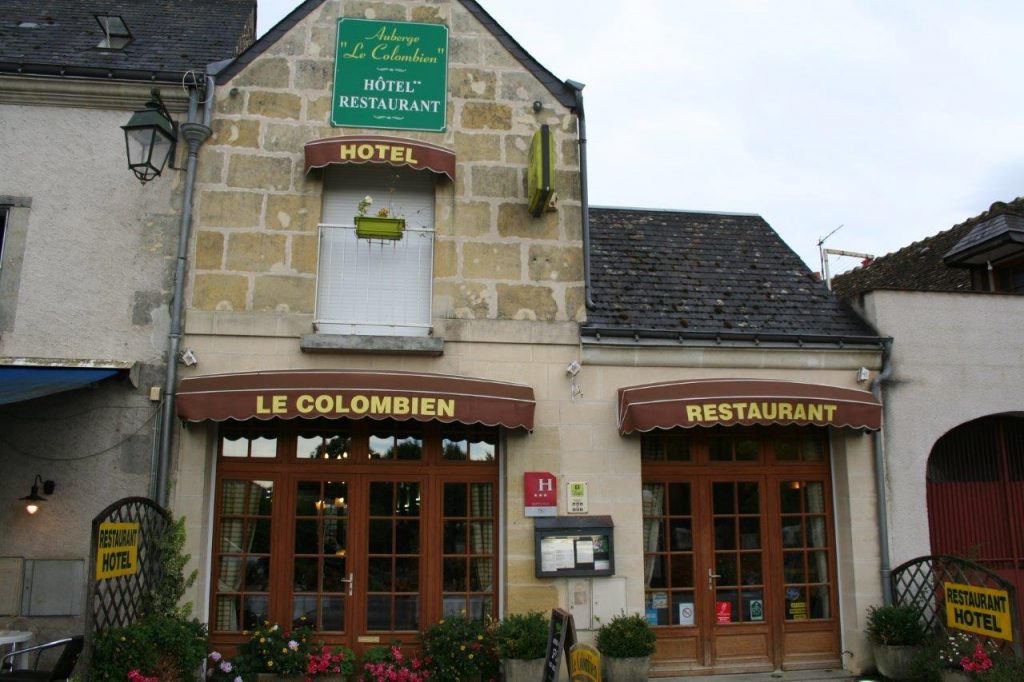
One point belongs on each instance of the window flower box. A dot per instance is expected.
(375, 227)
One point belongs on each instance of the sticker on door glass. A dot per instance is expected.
(756, 608)
(686, 613)
(723, 612)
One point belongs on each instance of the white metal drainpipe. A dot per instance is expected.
(195, 134)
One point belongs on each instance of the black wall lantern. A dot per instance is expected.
(33, 499)
(150, 137)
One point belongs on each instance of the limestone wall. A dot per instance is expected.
(255, 243)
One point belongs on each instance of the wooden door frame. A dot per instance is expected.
(285, 470)
(770, 472)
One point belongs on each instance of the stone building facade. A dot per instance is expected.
(373, 470)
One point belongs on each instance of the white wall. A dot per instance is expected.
(956, 357)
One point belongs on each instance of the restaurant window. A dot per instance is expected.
(356, 528)
(375, 286)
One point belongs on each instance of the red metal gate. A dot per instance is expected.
(976, 496)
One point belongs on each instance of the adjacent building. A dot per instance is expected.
(954, 436)
(87, 257)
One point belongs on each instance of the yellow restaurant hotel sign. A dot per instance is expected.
(980, 610)
(117, 550)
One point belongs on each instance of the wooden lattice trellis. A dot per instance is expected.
(118, 601)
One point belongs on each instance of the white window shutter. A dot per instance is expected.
(376, 286)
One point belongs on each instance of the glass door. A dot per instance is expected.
(322, 575)
(735, 575)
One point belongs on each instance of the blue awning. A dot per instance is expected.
(20, 383)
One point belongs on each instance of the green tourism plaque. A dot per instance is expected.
(390, 74)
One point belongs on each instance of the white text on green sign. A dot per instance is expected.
(390, 74)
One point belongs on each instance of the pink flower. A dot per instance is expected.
(215, 656)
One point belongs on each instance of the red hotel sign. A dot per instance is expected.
(540, 493)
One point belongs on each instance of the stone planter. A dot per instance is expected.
(954, 676)
(896, 662)
(626, 669)
(522, 670)
(271, 677)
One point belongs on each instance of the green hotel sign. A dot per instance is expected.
(390, 74)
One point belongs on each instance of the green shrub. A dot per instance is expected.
(626, 637)
(167, 647)
(899, 625)
(521, 635)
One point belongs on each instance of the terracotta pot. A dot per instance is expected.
(626, 669)
(521, 670)
(896, 662)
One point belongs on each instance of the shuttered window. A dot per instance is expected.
(373, 286)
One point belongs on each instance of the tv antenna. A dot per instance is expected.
(824, 253)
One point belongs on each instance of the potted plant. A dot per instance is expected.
(521, 640)
(221, 669)
(897, 635)
(330, 663)
(386, 664)
(964, 657)
(272, 652)
(383, 225)
(459, 649)
(626, 644)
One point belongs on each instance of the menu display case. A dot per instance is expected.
(574, 546)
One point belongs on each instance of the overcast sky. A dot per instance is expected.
(894, 118)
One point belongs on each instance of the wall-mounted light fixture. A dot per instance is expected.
(150, 137)
(33, 499)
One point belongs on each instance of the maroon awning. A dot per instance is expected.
(348, 394)
(731, 402)
(396, 151)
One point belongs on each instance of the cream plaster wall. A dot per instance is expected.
(573, 439)
(956, 357)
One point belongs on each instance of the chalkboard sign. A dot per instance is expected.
(561, 638)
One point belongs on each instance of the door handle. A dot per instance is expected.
(711, 578)
(350, 580)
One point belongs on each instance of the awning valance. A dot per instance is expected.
(746, 402)
(29, 378)
(396, 151)
(352, 394)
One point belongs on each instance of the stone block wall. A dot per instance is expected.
(257, 213)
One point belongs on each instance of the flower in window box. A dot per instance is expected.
(380, 226)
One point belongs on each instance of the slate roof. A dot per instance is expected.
(677, 274)
(562, 92)
(920, 266)
(1004, 229)
(169, 37)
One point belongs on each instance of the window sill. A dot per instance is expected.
(389, 345)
